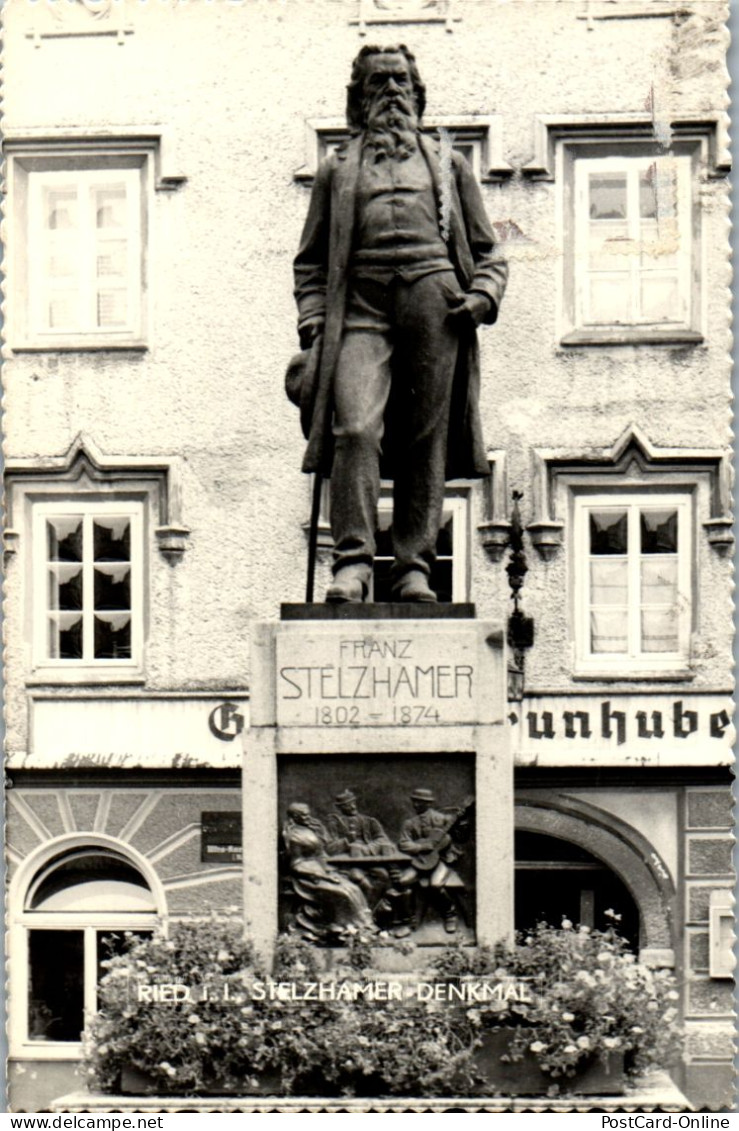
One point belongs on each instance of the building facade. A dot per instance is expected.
(158, 165)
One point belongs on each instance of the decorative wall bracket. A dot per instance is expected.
(719, 533)
(546, 537)
(495, 529)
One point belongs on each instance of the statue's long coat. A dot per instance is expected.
(321, 277)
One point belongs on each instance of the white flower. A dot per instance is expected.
(583, 1042)
(611, 1042)
(194, 1019)
(636, 1029)
(200, 1038)
(673, 995)
(570, 1049)
(223, 956)
(586, 978)
(604, 957)
(568, 1016)
(537, 1046)
(566, 924)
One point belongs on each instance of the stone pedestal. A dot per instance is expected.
(353, 695)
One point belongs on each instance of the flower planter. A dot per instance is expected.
(135, 1082)
(525, 1077)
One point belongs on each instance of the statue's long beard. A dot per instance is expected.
(392, 126)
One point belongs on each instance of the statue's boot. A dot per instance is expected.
(413, 586)
(350, 584)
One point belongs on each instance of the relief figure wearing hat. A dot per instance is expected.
(435, 839)
(353, 833)
(397, 267)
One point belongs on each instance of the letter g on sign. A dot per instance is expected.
(226, 721)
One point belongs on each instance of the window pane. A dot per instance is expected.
(441, 580)
(112, 539)
(607, 196)
(90, 880)
(658, 532)
(610, 297)
(660, 297)
(657, 191)
(62, 260)
(608, 532)
(56, 985)
(112, 587)
(444, 541)
(112, 308)
(110, 205)
(111, 258)
(113, 636)
(61, 209)
(381, 580)
(65, 636)
(64, 539)
(609, 582)
(610, 246)
(659, 581)
(112, 943)
(65, 587)
(63, 310)
(609, 630)
(659, 630)
(466, 149)
(659, 244)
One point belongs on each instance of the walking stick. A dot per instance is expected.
(313, 537)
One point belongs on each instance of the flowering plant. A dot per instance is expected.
(229, 1037)
(588, 995)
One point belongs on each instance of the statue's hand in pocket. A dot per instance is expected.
(469, 310)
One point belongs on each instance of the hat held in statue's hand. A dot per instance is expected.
(301, 381)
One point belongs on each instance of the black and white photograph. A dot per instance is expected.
(368, 616)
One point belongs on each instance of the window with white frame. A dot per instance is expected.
(88, 584)
(631, 258)
(632, 582)
(78, 248)
(79, 911)
(450, 570)
(85, 252)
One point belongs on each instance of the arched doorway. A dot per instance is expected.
(556, 879)
(622, 856)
